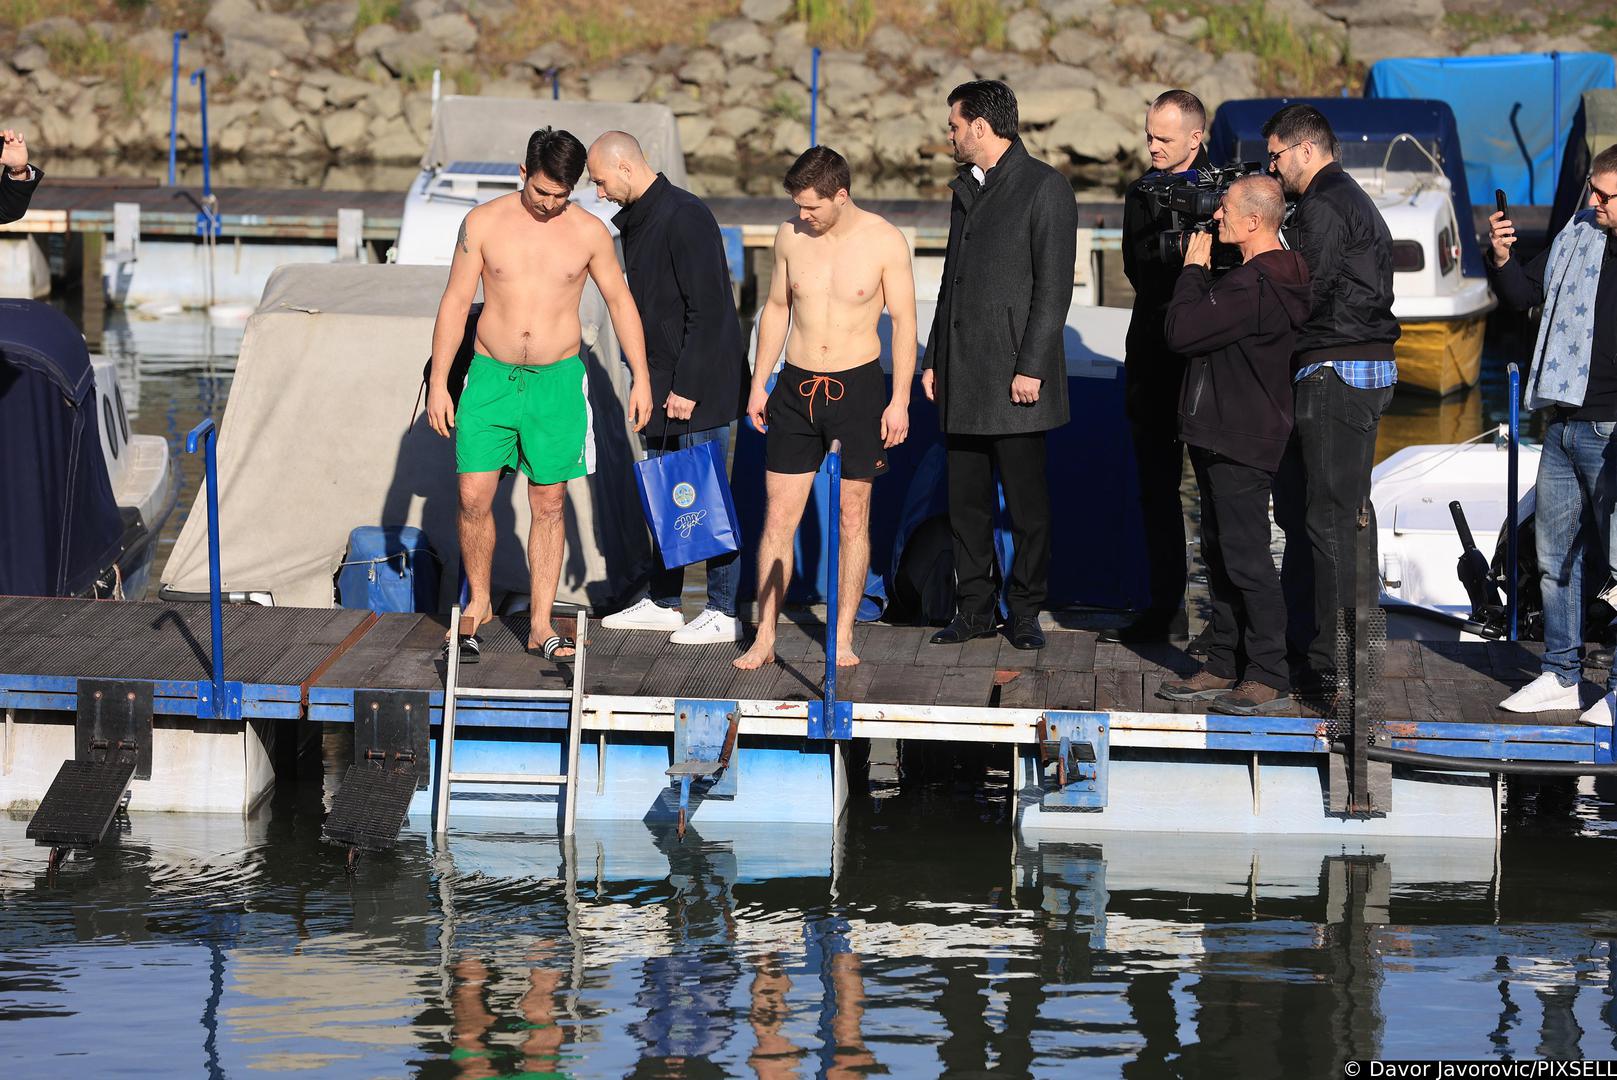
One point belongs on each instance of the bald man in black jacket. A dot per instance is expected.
(18, 179)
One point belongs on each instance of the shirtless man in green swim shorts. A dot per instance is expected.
(526, 404)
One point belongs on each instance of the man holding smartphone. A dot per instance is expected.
(1574, 377)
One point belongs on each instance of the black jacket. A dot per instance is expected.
(674, 257)
(1349, 253)
(1154, 374)
(1002, 310)
(14, 194)
(1239, 331)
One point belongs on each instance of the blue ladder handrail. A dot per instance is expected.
(833, 470)
(814, 96)
(174, 103)
(205, 435)
(208, 216)
(1511, 495)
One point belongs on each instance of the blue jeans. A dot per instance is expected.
(723, 571)
(1575, 490)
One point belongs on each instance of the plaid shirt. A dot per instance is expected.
(1361, 374)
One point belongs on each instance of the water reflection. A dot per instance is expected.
(217, 945)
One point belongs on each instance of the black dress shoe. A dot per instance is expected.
(964, 628)
(1025, 632)
(1145, 629)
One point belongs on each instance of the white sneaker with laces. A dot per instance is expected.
(645, 614)
(709, 628)
(1601, 712)
(1542, 695)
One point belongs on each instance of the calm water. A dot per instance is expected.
(920, 940)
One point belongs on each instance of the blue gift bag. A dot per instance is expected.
(688, 506)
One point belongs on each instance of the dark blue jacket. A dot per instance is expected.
(674, 257)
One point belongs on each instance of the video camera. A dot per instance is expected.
(1188, 200)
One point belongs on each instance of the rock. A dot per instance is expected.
(233, 139)
(322, 47)
(626, 82)
(1091, 136)
(1063, 12)
(396, 141)
(848, 78)
(334, 17)
(157, 45)
(418, 114)
(766, 11)
(30, 58)
(704, 67)
(1128, 99)
(1026, 30)
(275, 112)
(550, 55)
(1077, 47)
(1142, 46)
(693, 129)
(344, 90)
(682, 102)
(453, 32)
(1235, 76)
(751, 85)
(1176, 64)
(59, 28)
(344, 130)
(1189, 29)
(885, 107)
(239, 20)
(1040, 107)
(385, 99)
(1055, 77)
(55, 131)
(1427, 13)
(373, 39)
(737, 120)
(789, 137)
(310, 98)
(410, 54)
(738, 39)
(1301, 14)
(891, 43)
(521, 89)
(790, 42)
(46, 81)
(242, 56)
(899, 142)
(1367, 44)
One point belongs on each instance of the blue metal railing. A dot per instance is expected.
(1511, 496)
(814, 97)
(208, 215)
(828, 717)
(174, 103)
(216, 699)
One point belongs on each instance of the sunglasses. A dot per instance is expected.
(1601, 197)
(1274, 158)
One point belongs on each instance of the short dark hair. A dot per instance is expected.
(820, 168)
(1189, 105)
(1604, 162)
(1297, 123)
(990, 100)
(557, 154)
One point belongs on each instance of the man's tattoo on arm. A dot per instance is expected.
(462, 238)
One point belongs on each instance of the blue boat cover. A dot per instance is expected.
(59, 523)
(1365, 128)
(388, 568)
(1514, 111)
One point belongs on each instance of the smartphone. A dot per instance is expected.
(1499, 201)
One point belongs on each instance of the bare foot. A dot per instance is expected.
(846, 657)
(471, 621)
(536, 641)
(761, 653)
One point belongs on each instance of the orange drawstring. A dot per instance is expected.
(807, 387)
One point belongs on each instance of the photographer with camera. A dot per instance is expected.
(1152, 372)
(1345, 377)
(1235, 413)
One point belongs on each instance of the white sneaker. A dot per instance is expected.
(1542, 695)
(1600, 713)
(708, 628)
(645, 614)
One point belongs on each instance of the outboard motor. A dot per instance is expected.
(1481, 586)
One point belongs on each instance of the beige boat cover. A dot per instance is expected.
(497, 129)
(317, 439)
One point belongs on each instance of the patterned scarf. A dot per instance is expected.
(1567, 330)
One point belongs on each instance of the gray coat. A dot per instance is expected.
(1002, 310)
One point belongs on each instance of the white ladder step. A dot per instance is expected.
(507, 778)
(493, 694)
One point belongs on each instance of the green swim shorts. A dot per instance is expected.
(530, 417)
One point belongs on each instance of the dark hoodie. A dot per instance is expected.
(1239, 332)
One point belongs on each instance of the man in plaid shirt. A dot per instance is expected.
(1344, 378)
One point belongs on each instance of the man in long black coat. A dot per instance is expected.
(996, 360)
(18, 179)
(674, 257)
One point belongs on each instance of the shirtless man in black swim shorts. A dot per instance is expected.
(836, 267)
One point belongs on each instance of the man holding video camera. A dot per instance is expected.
(1344, 378)
(1153, 373)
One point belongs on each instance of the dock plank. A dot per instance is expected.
(1118, 690)
(1071, 691)
(1028, 689)
(966, 686)
(905, 684)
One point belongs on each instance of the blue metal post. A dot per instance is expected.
(555, 84)
(833, 583)
(1510, 495)
(206, 434)
(814, 98)
(1555, 147)
(174, 103)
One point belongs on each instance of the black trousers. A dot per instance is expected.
(1323, 480)
(1159, 461)
(1248, 627)
(973, 505)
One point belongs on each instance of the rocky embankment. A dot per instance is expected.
(343, 81)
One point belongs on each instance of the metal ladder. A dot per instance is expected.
(446, 774)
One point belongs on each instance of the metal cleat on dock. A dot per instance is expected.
(391, 738)
(113, 748)
(704, 740)
(1073, 757)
